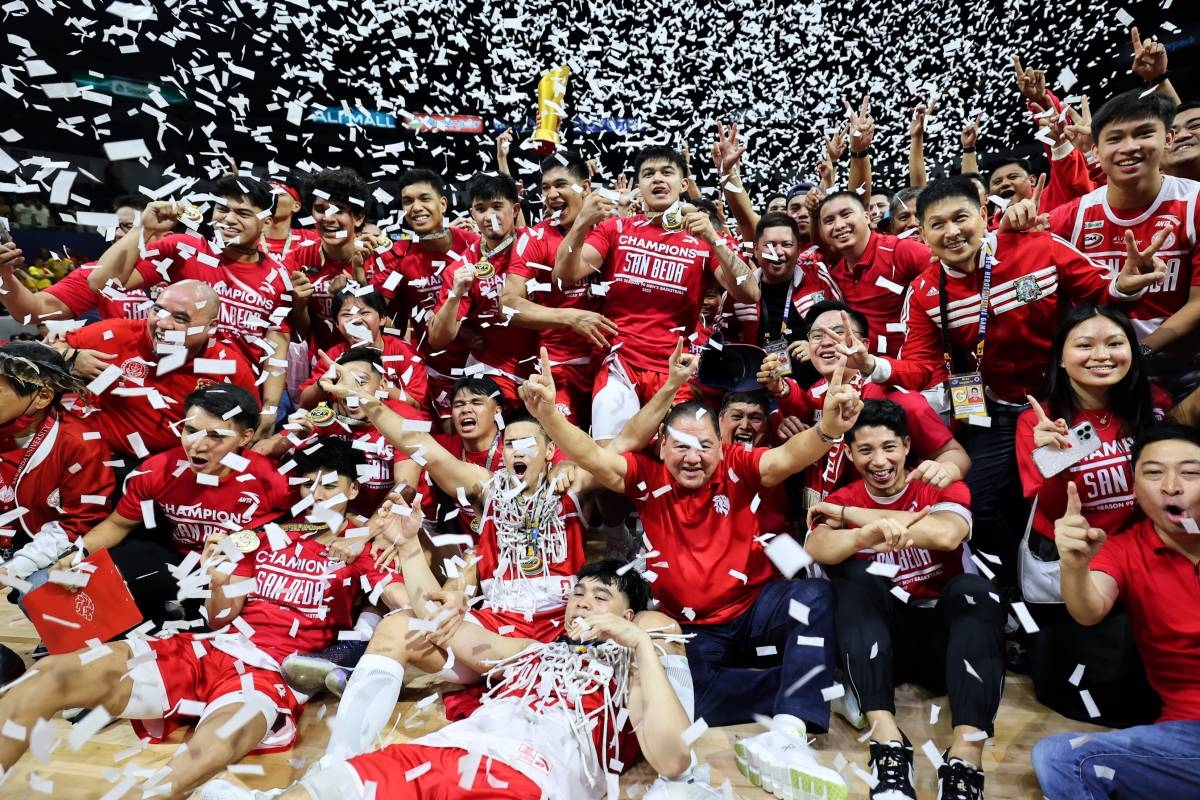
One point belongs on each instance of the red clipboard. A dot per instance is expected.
(101, 610)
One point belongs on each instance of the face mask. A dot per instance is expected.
(10, 431)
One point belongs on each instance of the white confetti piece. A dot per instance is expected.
(1093, 710)
(694, 732)
(788, 555)
(1076, 676)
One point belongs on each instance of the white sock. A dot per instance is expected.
(366, 706)
(680, 677)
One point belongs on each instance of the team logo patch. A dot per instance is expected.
(135, 370)
(1027, 289)
(85, 608)
(721, 505)
(54, 499)
(1092, 239)
(7, 494)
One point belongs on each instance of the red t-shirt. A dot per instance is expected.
(254, 297)
(923, 573)
(506, 347)
(111, 302)
(655, 286)
(538, 249)
(1159, 588)
(302, 598)
(410, 277)
(129, 405)
(1097, 229)
(279, 249)
(401, 364)
(548, 591)
(1104, 478)
(1036, 278)
(490, 459)
(377, 477)
(192, 511)
(704, 536)
(926, 430)
(310, 259)
(875, 286)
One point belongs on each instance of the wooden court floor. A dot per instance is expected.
(93, 771)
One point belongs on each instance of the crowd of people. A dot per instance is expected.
(858, 439)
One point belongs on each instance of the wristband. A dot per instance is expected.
(784, 392)
(968, 149)
(859, 153)
(1157, 81)
(826, 438)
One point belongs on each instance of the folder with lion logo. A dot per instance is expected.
(67, 618)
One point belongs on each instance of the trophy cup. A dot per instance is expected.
(551, 90)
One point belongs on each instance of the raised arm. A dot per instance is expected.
(606, 465)
(917, 177)
(448, 472)
(641, 428)
(445, 323)
(576, 259)
(1150, 64)
(120, 260)
(969, 139)
(1089, 594)
(838, 415)
(726, 153)
(862, 132)
(732, 273)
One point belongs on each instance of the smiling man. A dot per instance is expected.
(655, 268)
(256, 298)
(919, 618)
(1131, 133)
(1151, 569)
(1183, 153)
(159, 361)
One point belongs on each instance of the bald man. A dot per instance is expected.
(143, 369)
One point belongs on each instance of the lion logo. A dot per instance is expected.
(85, 608)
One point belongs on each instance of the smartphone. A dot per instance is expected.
(5, 236)
(1083, 442)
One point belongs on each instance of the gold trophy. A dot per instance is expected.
(551, 90)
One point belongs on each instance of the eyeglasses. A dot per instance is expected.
(818, 335)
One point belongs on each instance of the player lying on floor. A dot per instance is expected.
(559, 714)
(273, 591)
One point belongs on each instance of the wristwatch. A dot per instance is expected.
(1146, 350)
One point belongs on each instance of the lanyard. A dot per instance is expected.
(787, 306)
(984, 305)
(491, 453)
(30, 449)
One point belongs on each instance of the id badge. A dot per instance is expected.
(966, 395)
(780, 348)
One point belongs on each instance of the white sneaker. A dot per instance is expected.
(847, 707)
(782, 763)
(683, 788)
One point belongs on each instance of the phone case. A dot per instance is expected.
(1051, 461)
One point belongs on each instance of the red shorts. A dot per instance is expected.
(388, 769)
(187, 676)
(573, 387)
(616, 398)
(543, 627)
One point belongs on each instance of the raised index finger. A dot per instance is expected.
(1073, 505)
(1017, 67)
(1038, 411)
(1137, 39)
(1038, 188)
(839, 374)
(545, 363)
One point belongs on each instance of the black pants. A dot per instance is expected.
(143, 563)
(1113, 672)
(998, 506)
(883, 641)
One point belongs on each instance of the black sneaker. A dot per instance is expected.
(958, 780)
(892, 768)
(306, 672)
(12, 666)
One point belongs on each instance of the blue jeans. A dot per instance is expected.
(1159, 762)
(37, 579)
(733, 683)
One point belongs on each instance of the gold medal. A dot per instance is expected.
(672, 218)
(322, 415)
(244, 541)
(190, 214)
(484, 269)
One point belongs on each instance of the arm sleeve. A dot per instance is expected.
(920, 361)
(143, 486)
(1112, 557)
(798, 402)
(1062, 219)
(529, 250)
(93, 477)
(912, 258)
(637, 474)
(603, 237)
(1068, 180)
(167, 254)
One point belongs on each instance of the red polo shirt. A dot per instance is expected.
(875, 286)
(1161, 589)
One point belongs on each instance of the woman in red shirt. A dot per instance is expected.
(1098, 375)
